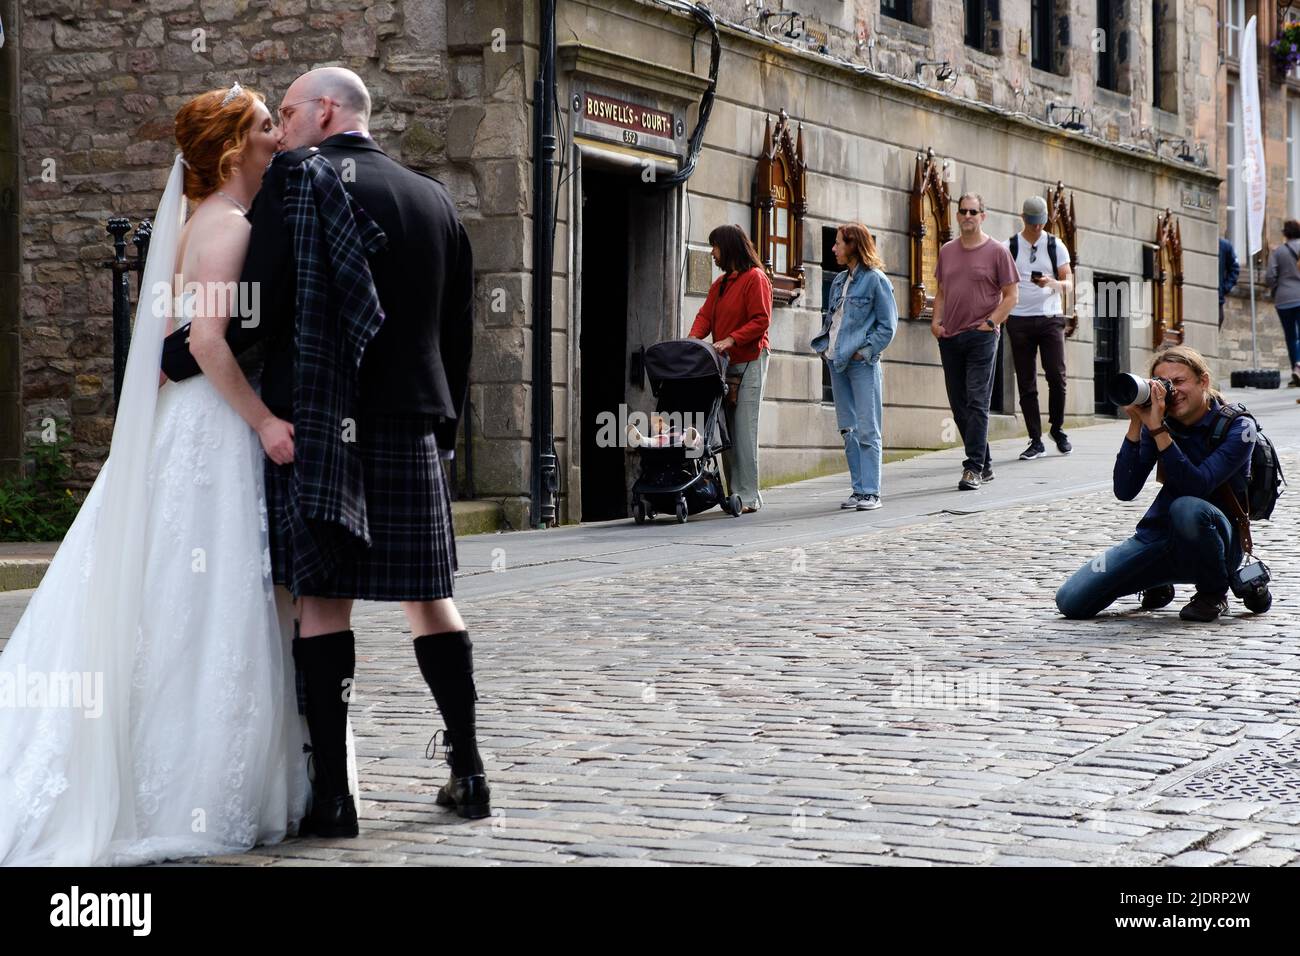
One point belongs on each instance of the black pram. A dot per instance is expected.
(679, 464)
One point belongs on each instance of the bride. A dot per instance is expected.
(150, 709)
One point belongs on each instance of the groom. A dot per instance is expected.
(410, 392)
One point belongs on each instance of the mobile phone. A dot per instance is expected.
(1035, 276)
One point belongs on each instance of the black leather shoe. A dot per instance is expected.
(470, 796)
(1204, 608)
(330, 817)
(1153, 599)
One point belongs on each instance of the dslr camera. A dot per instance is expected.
(1128, 389)
(1250, 584)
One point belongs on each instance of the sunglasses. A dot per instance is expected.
(969, 212)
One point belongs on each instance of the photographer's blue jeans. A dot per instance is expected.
(858, 398)
(968, 359)
(1201, 549)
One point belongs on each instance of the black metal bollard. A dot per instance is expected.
(118, 227)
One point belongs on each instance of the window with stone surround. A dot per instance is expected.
(983, 29)
(1233, 19)
(1049, 35)
(1164, 55)
(1111, 41)
(898, 10)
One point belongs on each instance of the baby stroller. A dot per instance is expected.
(680, 473)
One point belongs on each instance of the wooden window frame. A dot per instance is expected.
(781, 169)
(927, 179)
(1168, 264)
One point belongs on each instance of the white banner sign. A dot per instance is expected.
(1252, 159)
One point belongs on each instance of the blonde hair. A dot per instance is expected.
(1194, 360)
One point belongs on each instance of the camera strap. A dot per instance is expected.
(1227, 500)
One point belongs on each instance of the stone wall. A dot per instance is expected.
(10, 196)
(1003, 74)
(101, 81)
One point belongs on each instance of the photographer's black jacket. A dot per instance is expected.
(419, 361)
(1191, 467)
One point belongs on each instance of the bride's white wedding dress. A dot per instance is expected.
(151, 711)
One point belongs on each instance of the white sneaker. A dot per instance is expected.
(868, 502)
(849, 503)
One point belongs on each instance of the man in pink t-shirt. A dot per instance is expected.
(977, 283)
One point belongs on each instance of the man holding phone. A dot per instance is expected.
(1037, 324)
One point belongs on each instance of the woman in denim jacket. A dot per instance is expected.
(859, 319)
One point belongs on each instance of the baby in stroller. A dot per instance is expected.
(664, 436)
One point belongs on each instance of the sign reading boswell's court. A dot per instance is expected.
(622, 120)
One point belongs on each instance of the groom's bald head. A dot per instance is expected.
(323, 102)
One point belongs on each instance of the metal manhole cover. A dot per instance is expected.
(1269, 774)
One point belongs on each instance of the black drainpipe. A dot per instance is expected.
(545, 476)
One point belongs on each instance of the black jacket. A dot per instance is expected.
(418, 363)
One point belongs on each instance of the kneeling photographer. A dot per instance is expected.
(1203, 451)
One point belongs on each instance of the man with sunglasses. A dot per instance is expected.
(1037, 323)
(976, 289)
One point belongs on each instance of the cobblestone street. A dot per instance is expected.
(905, 697)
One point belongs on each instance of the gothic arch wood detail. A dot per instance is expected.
(930, 228)
(1167, 281)
(780, 202)
(1061, 223)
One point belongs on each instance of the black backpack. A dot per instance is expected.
(1051, 250)
(1264, 480)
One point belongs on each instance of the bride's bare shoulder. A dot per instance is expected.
(214, 230)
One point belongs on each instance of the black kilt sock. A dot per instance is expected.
(324, 663)
(447, 663)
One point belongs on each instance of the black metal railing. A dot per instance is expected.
(118, 227)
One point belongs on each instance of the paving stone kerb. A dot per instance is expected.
(905, 697)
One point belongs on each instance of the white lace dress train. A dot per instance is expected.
(214, 737)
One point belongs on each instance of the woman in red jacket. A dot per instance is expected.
(736, 315)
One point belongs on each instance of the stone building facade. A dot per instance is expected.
(453, 88)
(1279, 106)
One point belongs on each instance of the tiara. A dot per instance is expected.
(235, 90)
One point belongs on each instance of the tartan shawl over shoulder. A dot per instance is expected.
(338, 314)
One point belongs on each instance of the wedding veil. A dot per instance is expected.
(101, 761)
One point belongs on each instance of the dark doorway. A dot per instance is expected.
(602, 342)
(830, 268)
(1110, 295)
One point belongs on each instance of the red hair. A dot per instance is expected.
(211, 135)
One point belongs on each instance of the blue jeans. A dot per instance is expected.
(1201, 548)
(858, 398)
(968, 359)
(1290, 319)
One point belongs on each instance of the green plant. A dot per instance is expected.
(39, 506)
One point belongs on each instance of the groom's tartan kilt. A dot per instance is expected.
(412, 556)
